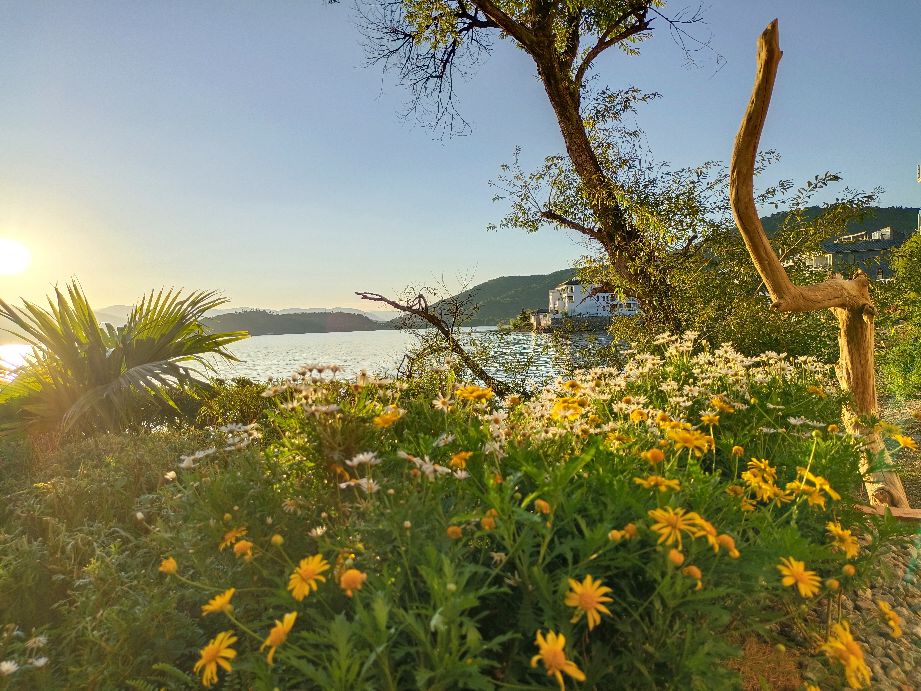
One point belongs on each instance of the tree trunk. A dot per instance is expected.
(632, 258)
(849, 300)
(857, 374)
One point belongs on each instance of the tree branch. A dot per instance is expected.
(787, 297)
(606, 40)
(519, 32)
(568, 223)
(419, 308)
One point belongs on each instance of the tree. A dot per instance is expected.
(686, 217)
(85, 376)
(899, 323)
(426, 41)
(446, 320)
(848, 299)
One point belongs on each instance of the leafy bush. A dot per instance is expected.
(629, 524)
(76, 530)
(90, 377)
(899, 324)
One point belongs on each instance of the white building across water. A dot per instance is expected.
(573, 299)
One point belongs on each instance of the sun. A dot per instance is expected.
(14, 257)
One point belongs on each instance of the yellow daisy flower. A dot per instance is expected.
(721, 405)
(670, 523)
(217, 652)
(893, 619)
(244, 548)
(169, 566)
(842, 648)
(653, 455)
(657, 482)
(459, 460)
(552, 653)
(304, 578)
(842, 540)
(588, 597)
(568, 407)
(906, 442)
(387, 418)
(794, 573)
(278, 635)
(232, 536)
(694, 441)
(474, 393)
(219, 603)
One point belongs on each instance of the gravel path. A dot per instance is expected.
(895, 662)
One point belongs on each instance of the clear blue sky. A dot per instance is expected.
(247, 147)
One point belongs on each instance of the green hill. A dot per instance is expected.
(901, 219)
(503, 298)
(263, 322)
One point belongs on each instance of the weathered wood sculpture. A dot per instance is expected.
(848, 299)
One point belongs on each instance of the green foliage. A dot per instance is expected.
(84, 376)
(239, 401)
(77, 531)
(544, 484)
(683, 214)
(899, 322)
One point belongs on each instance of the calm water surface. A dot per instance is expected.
(265, 357)
(535, 357)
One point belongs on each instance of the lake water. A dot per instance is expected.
(536, 357)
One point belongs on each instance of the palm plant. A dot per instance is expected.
(85, 376)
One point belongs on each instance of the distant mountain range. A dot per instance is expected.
(499, 299)
(503, 298)
(263, 322)
(117, 315)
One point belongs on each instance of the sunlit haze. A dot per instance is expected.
(249, 147)
(14, 257)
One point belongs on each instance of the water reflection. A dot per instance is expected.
(523, 358)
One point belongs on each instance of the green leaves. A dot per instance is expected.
(83, 376)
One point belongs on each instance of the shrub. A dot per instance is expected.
(77, 537)
(91, 377)
(628, 524)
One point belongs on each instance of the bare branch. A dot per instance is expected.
(563, 221)
(849, 300)
(419, 308)
(835, 292)
(606, 40)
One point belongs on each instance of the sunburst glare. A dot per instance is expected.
(14, 257)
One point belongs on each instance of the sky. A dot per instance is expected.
(248, 147)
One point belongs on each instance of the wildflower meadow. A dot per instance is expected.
(630, 527)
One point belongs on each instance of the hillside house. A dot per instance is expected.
(573, 299)
(868, 251)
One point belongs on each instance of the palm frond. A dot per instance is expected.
(89, 376)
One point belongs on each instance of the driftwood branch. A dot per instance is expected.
(419, 308)
(787, 297)
(849, 300)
